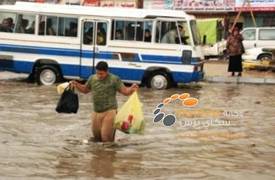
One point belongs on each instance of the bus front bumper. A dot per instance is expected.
(198, 76)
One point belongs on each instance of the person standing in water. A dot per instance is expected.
(104, 86)
(235, 50)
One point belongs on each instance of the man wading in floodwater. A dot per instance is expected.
(104, 86)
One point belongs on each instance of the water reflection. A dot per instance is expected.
(103, 163)
(98, 162)
(231, 92)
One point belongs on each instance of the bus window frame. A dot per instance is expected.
(173, 20)
(192, 35)
(106, 33)
(83, 19)
(39, 15)
(136, 20)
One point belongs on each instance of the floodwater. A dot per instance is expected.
(228, 135)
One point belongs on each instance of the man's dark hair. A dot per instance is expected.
(101, 66)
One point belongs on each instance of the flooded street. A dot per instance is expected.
(231, 136)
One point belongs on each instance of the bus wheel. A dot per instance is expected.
(47, 75)
(159, 81)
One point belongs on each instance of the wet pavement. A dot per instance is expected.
(228, 135)
(219, 68)
(216, 72)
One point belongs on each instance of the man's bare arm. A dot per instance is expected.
(80, 87)
(127, 91)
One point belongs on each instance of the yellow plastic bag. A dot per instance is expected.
(129, 118)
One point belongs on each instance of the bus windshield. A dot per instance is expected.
(195, 33)
(183, 32)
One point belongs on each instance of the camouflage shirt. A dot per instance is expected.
(104, 92)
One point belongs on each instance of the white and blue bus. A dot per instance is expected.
(48, 41)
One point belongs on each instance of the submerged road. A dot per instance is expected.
(228, 135)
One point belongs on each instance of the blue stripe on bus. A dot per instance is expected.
(85, 54)
(16, 66)
(54, 51)
(128, 74)
(39, 50)
(74, 70)
(158, 57)
(101, 55)
(184, 77)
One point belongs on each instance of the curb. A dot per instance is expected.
(238, 80)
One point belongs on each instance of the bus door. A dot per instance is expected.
(93, 43)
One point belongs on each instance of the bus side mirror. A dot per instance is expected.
(204, 40)
(186, 56)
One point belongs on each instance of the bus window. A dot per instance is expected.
(101, 33)
(132, 30)
(132, 57)
(139, 31)
(195, 32)
(48, 25)
(88, 33)
(41, 28)
(60, 26)
(118, 30)
(51, 25)
(7, 22)
(25, 24)
(147, 31)
(168, 33)
(184, 32)
(129, 29)
(119, 34)
(171, 32)
(158, 32)
(67, 27)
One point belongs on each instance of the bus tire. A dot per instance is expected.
(47, 75)
(31, 78)
(159, 81)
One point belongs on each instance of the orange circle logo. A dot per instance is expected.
(170, 119)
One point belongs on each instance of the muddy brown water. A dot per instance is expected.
(238, 142)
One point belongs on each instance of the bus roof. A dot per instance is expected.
(94, 11)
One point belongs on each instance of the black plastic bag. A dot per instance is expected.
(68, 102)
